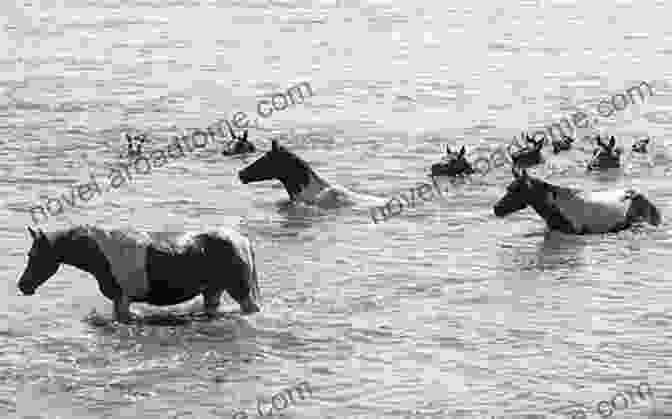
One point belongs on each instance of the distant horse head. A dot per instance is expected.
(241, 146)
(43, 262)
(135, 143)
(285, 166)
(641, 145)
(606, 156)
(527, 156)
(454, 164)
(562, 145)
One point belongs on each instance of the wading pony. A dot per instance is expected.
(606, 156)
(573, 211)
(453, 164)
(641, 145)
(139, 267)
(300, 181)
(527, 156)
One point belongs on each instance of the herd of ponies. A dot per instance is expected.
(166, 269)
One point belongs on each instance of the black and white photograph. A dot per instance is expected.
(336, 209)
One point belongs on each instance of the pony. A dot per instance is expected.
(641, 145)
(454, 164)
(606, 156)
(527, 156)
(301, 182)
(573, 211)
(139, 267)
(562, 145)
(241, 146)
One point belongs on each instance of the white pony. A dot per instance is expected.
(573, 211)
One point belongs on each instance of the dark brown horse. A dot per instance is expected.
(139, 267)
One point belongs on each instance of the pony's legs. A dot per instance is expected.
(122, 309)
(248, 306)
(211, 301)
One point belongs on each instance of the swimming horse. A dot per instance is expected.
(527, 156)
(138, 267)
(134, 150)
(454, 164)
(573, 211)
(606, 156)
(300, 180)
(641, 145)
(241, 146)
(562, 145)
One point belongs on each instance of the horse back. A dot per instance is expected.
(181, 268)
(596, 212)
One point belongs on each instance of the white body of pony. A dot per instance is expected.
(598, 212)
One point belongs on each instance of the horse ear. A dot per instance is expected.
(32, 233)
(462, 151)
(274, 145)
(612, 142)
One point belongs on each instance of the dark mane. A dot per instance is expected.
(564, 189)
(281, 164)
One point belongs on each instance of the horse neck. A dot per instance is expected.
(302, 180)
(76, 248)
(539, 199)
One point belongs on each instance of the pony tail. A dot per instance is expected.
(656, 218)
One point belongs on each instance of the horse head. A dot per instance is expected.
(641, 145)
(606, 155)
(43, 262)
(453, 164)
(562, 145)
(285, 166)
(518, 194)
(527, 156)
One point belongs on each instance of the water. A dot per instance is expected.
(442, 312)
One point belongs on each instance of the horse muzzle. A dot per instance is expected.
(499, 211)
(243, 178)
(26, 290)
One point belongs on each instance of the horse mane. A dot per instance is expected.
(91, 231)
(304, 166)
(565, 190)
